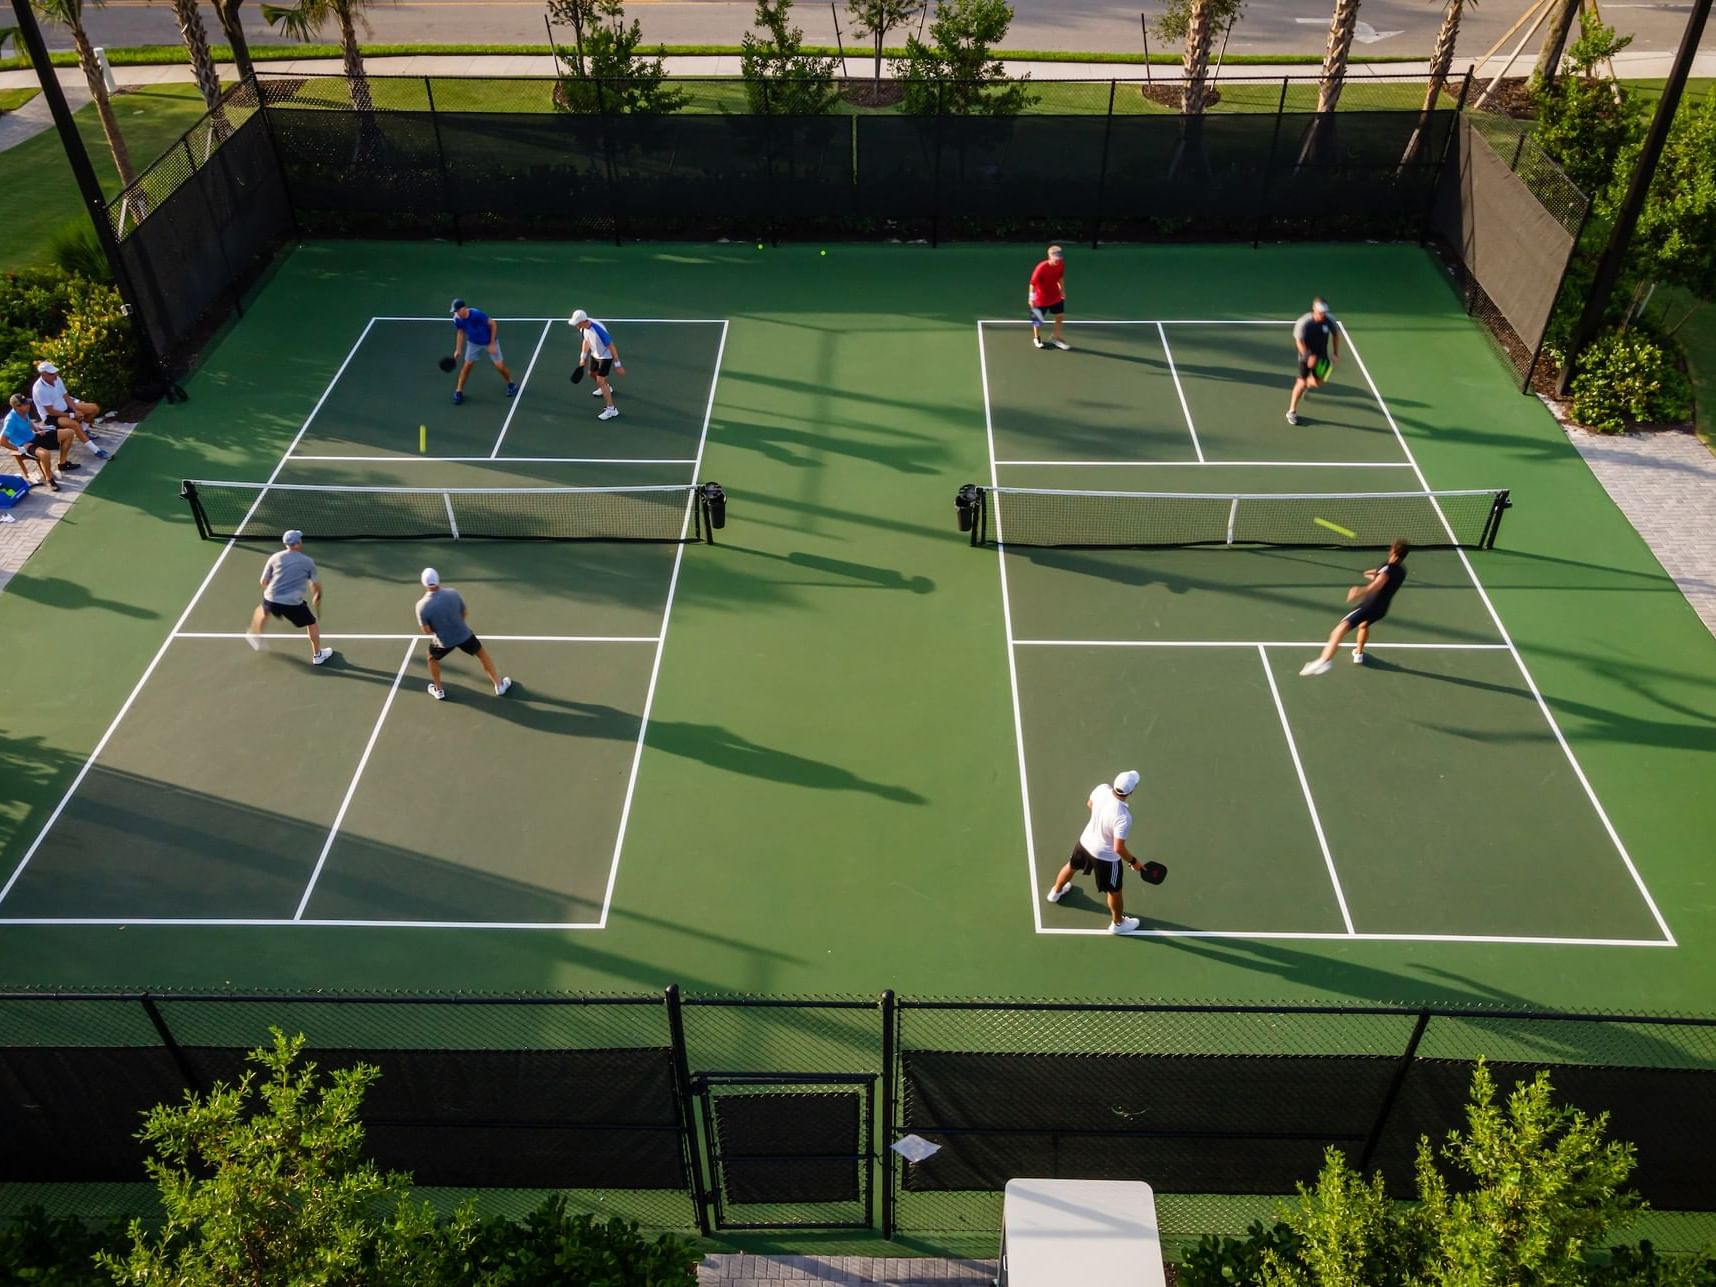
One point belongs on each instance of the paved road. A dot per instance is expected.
(1395, 27)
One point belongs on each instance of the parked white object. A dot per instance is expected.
(1095, 1233)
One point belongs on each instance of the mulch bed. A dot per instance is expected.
(1172, 94)
(872, 93)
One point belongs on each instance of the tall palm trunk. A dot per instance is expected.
(232, 26)
(196, 38)
(1441, 62)
(1342, 24)
(1555, 40)
(1200, 34)
(352, 60)
(103, 105)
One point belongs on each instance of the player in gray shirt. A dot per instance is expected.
(1317, 336)
(441, 616)
(287, 577)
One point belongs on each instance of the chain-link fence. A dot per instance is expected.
(718, 1112)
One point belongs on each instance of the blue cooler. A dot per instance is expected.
(12, 490)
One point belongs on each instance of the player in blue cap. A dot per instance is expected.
(476, 335)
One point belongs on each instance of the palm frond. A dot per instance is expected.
(301, 21)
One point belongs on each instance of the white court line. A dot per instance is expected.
(1111, 464)
(261, 921)
(500, 460)
(1184, 405)
(1305, 787)
(618, 321)
(1329, 935)
(518, 394)
(1525, 673)
(661, 645)
(1012, 664)
(166, 643)
(357, 776)
(1230, 643)
(400, 638)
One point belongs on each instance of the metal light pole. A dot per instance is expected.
(1627, 217)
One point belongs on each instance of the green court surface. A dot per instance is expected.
(840, 750)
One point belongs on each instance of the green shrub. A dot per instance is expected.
(77, 252)
(47, 1251)
(97, 349)
(36, 300)
(1625, 377)
(1233, 1262)
(549, 1248)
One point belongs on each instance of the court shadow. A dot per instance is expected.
(57, 592)
(805, 449)
(857, 575)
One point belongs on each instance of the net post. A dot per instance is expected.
(188, 490)
(885, 1154)
(1492, 527)
(1232, 518)
(684, 1091)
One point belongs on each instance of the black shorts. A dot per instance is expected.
(1366, 615)
(297, 614)
(1108, 872)
(1307, 364)
(471, 647)
(600, 366)
(47, 440)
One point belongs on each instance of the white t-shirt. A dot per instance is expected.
(1110, 820)
(49, 397)
(600, 342)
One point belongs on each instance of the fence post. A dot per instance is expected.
(169, 1043)
(768, 124)
(1448, 146)
(885, 1154)
(1399, 1079)
(1102, 174)
(1269, 169)
(441, 160)
(935, 208)
(279, 156)
(687, 1118)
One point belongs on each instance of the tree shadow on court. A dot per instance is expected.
(57, 592)
(842, 572)
(709, 744)
(907, 453)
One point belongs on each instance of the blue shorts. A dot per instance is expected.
(1042, 315)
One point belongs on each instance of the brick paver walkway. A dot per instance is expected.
(735, 1270)
(1665, 483)
(34, 516)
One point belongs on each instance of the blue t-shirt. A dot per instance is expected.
(18, 430)
(476, 325)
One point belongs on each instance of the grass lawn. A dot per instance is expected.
(1698, 341)
(12, 99)
(151, 120)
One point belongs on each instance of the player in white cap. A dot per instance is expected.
(441, 616)
(1102, 848)
(600, 356)
(285, 578)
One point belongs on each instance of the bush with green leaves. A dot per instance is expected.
(76, 251)
(604, 72)
(1527, 1195)
(1584, 120)
(1176, 17)
(1626, 378)
(957, 72)
(77, 323)
(56, 1251)
(780, 78)
(550, 1248)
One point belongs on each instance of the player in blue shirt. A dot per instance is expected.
(476, 335)
(26, 443)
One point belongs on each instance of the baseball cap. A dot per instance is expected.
(578, 315)
(458, 304)
(1319, 305)
(47, 368)
(430, 577)
(1126, 783)
(292, 536)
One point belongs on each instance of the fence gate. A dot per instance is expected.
(789, 1150)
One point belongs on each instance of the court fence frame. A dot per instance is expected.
(707, 1114)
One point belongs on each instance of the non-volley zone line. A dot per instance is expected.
(401, 638)
(617, 321)
(498, 460)
(1237, 643)
(1195, 464)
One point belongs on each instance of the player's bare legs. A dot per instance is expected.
(1060, 340)
(464, 374)
(434, 672)
(504, 373)
(489, 666)
(1335, 637)
(1359, 641)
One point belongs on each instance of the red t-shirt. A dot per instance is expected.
(1046, 281)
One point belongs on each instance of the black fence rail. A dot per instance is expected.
(706, 1113)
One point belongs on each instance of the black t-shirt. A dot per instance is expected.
(1394, 574)
(1315, 333)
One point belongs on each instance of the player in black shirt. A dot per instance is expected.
(1373, 599)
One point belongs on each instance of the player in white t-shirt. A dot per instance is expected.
(1102, 848)
(601, 357)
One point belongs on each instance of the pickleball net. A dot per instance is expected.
(262, 511)
(1042, 517)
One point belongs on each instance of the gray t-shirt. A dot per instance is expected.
(289, 574)
(1315, 333)
(443, 611)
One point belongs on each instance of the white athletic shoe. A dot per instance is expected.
(1125, 925)
(1292, 417)
(257, 642)
(1062, 345)
(1036, 341)
(596, 392)
(1358, 657)
(437, 692)
(317, 658)
(608, 413)
(1316, 668)
(1055, 895)
(505, 683)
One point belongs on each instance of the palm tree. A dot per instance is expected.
(1200, 33)
(1441, 62)
(1342, 24)
(1555, 41)
(305, 20)
(196, 38)
(233, 28)
(69, 14)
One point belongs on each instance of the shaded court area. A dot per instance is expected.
(1178, 555)
(242, 784)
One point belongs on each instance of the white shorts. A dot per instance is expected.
(477, 352)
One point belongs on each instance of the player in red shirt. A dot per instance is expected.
(1048, 297)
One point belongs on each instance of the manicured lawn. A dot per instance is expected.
(151, 120)
(12, 99)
